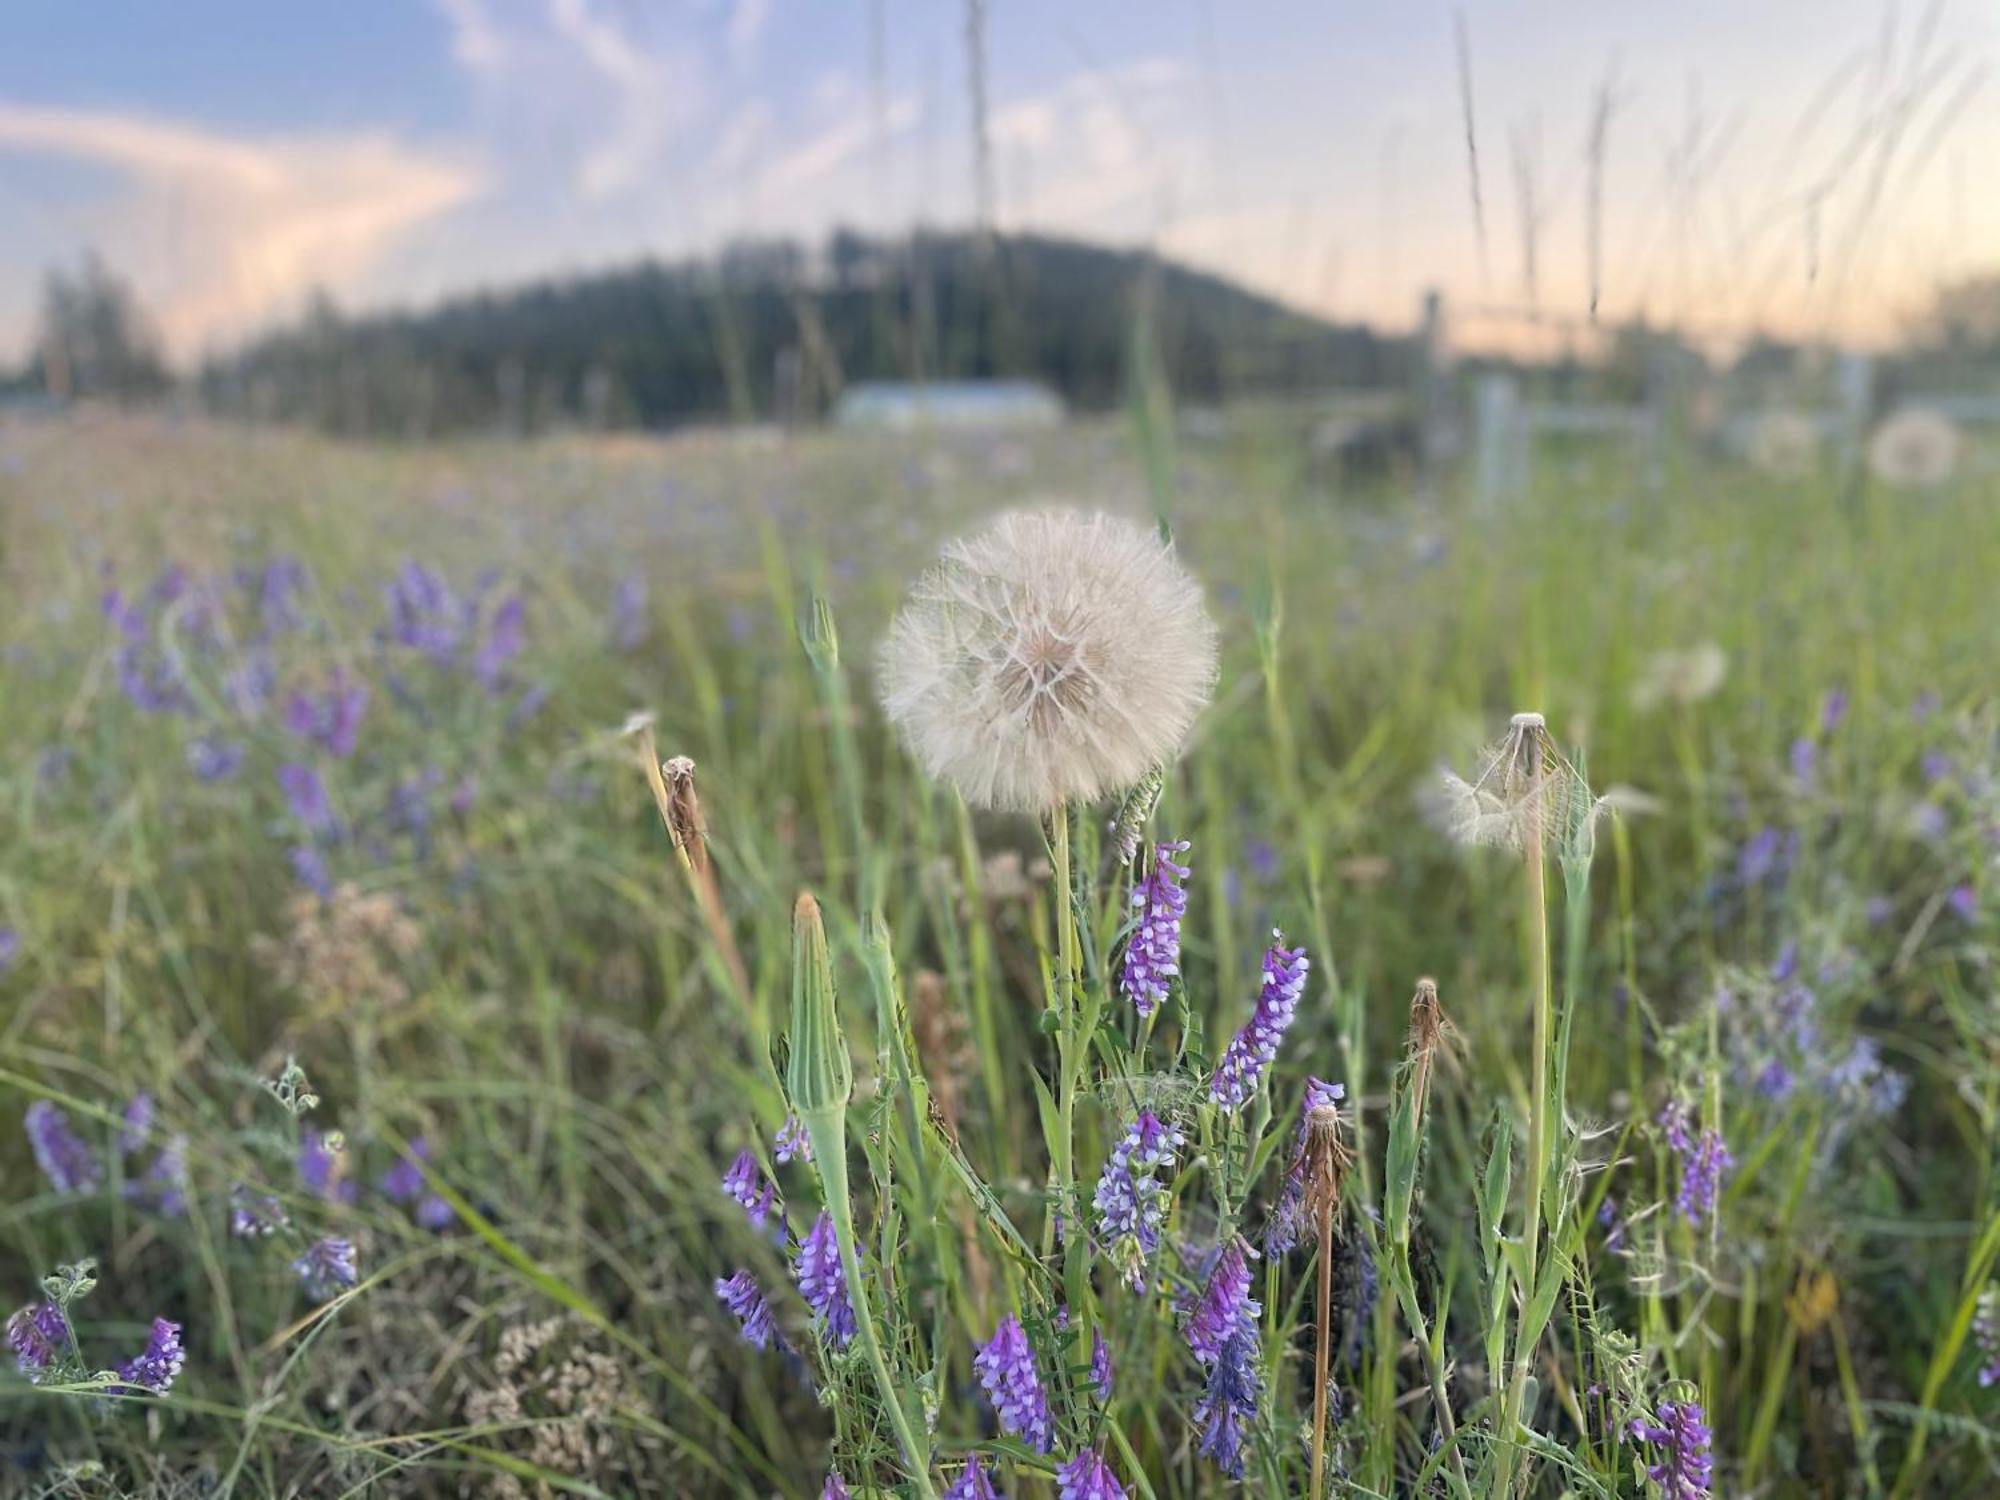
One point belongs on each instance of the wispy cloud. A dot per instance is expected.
(223, 232)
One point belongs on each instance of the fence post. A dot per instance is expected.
(1502, 440)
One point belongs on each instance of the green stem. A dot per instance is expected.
(827, 1129)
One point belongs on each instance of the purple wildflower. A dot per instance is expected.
(628, 612)
(1006, 1368)
(404, 1182)
(835, 1487)
(40, 1338)
(1131, 1201)
(330, 719)
(1226, 1307)
(138, 1126)
(424, 614)
(1682, 1437)
(1153, 954)
(792, 1142)
(973, 1482)
(1832, 710)
(823, 1281)
(1704, 1161)
(309, 865)
(214, 759)
(254, 1215)
(1805, 760)
(1100, 1364)
(10, 948)
(502, 644)
(306, 795)
(327, 1267)
(434, 1213)
(318, 1157)
(743, 1297)
(155, 1367)
(1255, 1047)
(163, 1186)
(742, 1182)
(1985, 1336)
(69, 1165)
(247, 686)
(1288, 1215)
(284, 578)
(1964, 902)
(1228, 1403)
(1088, 1477)
(1613, 1226)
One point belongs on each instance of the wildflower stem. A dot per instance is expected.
(1322, 1341)
(1536, 910)
(827, 1128)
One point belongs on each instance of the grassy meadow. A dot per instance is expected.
(314, 751)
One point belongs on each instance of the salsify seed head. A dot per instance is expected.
(1523, 794)
(1056, 656)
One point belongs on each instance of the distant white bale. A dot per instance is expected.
(1915, 447)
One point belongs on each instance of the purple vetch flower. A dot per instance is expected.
(1682, 1438)
(628, 612)
(424, 614)
(69, 1164)
(138, 1126)
(1608, 1220)
(309, 865)
(1964, 902)
(283, 580)
(1131, 1200)
(319, 1156)
(1153, 953)
(254, 1215)
(502, 644)
(330, 719)
(10, 948)
(1832, 710)
(1936, 766)
(163, 1186)
(746, 1183)
(1226, 1307)
(823, 1281)
(835, 1487)
(743, 1297)
(404, 1182)
(247, 686)
(327, 1267)
(155, 1367)
(1088, 1477)
(214, 759)
(1281, 1234)
(1805, 760)
(1228, 1403)
(1704, 1161)
(1985, 1335)
(1100, 1364)
(40, 1337)
(1006, 1368)
(973, 1482)
(305, 795)
(435, 1213)
(1255, 1047)
(792, 1142)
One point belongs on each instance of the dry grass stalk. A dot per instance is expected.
(1326, 1161)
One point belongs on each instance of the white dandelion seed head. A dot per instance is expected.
(1681, 677)
(1784, 444)
(1524, 794)
(1915, 447)
(1055, 656)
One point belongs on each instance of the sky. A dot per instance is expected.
(1806, 167)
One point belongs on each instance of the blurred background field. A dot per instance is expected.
(389, 418)
(501, 963)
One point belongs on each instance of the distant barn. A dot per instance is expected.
(964, 405)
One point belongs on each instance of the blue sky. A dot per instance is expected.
(1810, 165)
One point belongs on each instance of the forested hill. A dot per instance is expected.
(774, 330)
